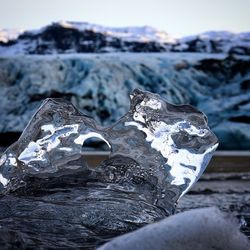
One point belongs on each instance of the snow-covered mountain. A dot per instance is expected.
(76, 37)
(130, 34)
(81, 37)
(7, 35)
(215, 42)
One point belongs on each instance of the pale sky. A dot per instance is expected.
(177, 17)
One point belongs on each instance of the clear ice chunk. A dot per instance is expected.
(157, 150)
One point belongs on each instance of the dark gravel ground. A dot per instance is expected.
(228, 191)
(225, 187)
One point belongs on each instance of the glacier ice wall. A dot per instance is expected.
(99, 86)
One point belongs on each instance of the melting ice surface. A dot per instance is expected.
(157, 152)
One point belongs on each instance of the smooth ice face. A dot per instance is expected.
(181, 136)
(158, 150)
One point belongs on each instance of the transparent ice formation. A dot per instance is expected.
(157, 150)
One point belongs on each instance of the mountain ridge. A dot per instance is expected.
(81, 37)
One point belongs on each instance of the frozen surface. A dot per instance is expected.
(157, 152)
(99, 86)
(158, 144)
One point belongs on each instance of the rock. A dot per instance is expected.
(206, 228)
(100, 85)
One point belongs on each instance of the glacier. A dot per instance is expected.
(99, 86)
